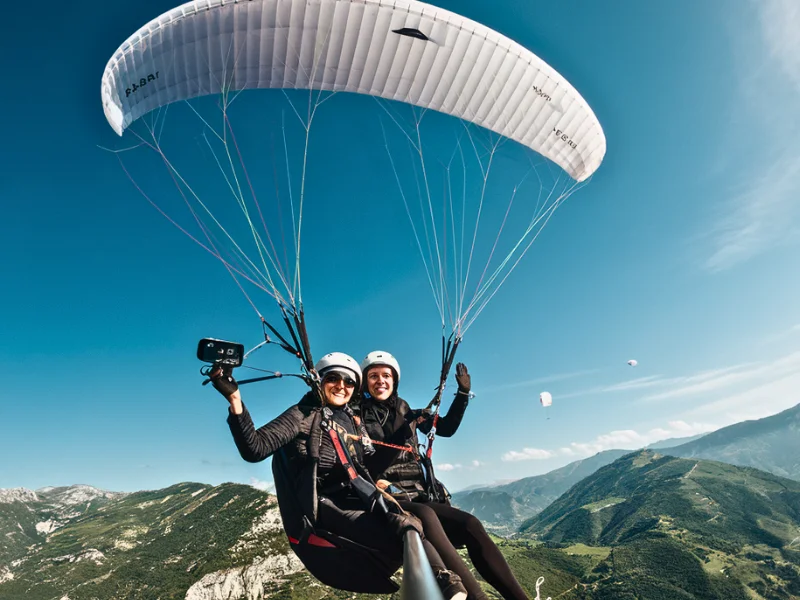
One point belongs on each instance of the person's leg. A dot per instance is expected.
(436, 535)
(364, 528)
(464, 529)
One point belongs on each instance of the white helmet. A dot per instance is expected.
(379, 357)
(339, 361)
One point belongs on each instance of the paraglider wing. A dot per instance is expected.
(633, 362)
(401, 50)
(546, 399)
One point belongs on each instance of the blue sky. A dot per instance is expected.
(682, 253)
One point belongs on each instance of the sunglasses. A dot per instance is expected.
(337, 377)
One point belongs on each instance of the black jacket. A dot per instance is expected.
(394, 422)
(297, 430)
(318, 501)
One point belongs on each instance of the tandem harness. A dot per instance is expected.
(334, 560)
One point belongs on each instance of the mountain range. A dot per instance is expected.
(191, 541)
(771, 444)
(646, 527)
(680, 528)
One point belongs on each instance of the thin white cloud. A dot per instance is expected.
(650, 382)
(660, 433)
(751, 390)
(684, 429)
(782, 335)
(540, 380)
(629, 439)
(629, 384)
(624, 439)
(762, 212)
(720, 379)
(527, 454)
(755, 402)
(265, 486)
(763, 215)
(476, 464)
(635, 384)
(447, 467)
(702, 383)
(780, 22)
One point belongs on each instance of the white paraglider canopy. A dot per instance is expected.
(404, 54)
(546, 398)
(633, 362)
(398, 50)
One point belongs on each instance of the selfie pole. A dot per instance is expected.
(418, 580)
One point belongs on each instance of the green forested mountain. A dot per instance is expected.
(503, 508)
(178, 542)
(771, 444)
(678, 528)
(646, 527)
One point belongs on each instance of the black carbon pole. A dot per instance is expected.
(418, 580)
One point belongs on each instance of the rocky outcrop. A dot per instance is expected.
(245, 583)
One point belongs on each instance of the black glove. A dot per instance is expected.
(463, 378)
(221, 377)
(420, 415)
(400, 523)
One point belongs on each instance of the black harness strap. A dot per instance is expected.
(449, 348)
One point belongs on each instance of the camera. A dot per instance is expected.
(214, 351)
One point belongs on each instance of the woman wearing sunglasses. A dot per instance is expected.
(320, 479)
(388, 418)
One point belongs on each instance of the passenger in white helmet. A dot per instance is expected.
(389, 419)
(326, 497)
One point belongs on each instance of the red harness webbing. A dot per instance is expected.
(432, 435)
(314, 540)
(406, 448)
(337, 444)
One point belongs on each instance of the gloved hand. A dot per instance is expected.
(392, 505)
(221, 377)
(400, 523)
(419, 415)
(463, 378)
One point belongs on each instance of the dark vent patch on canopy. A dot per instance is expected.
(411, 32)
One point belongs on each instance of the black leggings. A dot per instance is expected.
(459, 529)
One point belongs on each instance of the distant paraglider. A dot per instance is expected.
(546, 398)
(633, 362)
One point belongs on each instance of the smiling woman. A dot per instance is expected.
(348, 534)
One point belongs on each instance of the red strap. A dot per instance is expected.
(407, 448)
(313, 540)
(432, 435)
(337, 444)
